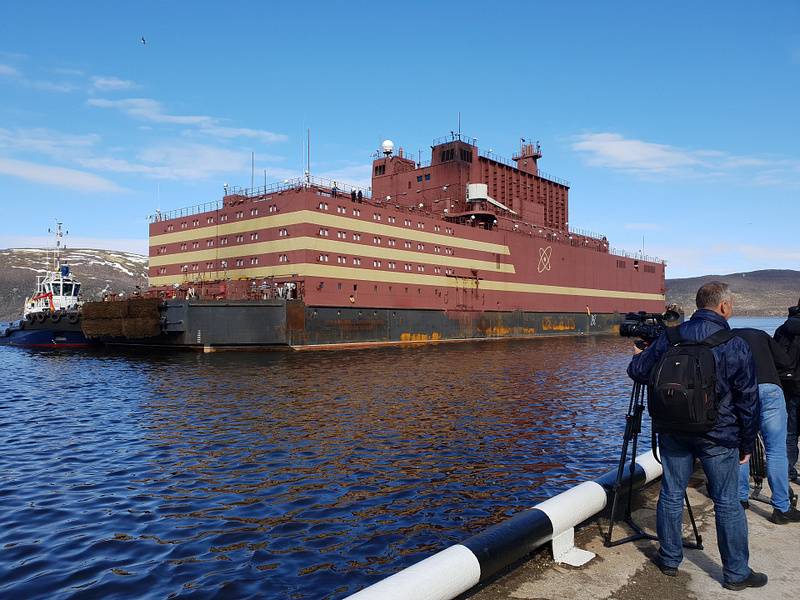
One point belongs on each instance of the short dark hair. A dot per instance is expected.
(711, 294)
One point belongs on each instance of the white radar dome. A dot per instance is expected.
(387, 146)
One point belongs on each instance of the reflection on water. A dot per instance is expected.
(283, 475)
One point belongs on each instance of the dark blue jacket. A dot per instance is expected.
(737, 389)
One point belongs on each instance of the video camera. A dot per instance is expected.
(647, 326)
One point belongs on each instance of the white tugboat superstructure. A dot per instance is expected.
(57, 290)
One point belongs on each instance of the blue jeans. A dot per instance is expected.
(772, 425)
(793, 408)
(721, 466)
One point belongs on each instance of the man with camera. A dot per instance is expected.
(712, 415)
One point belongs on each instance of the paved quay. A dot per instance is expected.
(625, 572)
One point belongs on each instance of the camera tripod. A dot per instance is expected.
(633, 427)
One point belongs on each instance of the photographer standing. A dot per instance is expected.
(720, 446)
(788, 338)
(770, 358)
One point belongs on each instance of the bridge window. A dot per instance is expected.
(380, 169)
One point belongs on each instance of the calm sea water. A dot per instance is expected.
(286, 475)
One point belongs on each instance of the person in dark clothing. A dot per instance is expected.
(770, 358)
(788, 337)
(720, 450)
(359, 196)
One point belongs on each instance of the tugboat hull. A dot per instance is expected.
(44, 335)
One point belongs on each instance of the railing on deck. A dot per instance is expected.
(510, 163)
(455, 136)
(321, 184)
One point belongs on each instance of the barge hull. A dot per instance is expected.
(282, 324)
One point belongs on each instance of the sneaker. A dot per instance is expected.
(668, 571)
(753, 580)
(782, 518)
(745, 504)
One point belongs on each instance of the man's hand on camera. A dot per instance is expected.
(636, 350)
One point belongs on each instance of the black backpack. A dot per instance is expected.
(683, 387)
(790, 380)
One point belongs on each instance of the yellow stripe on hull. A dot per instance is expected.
(377, 276)
(325, 220)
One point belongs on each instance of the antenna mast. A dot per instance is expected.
(59, 234)
(308, 155)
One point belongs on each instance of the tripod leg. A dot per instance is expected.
(698, 538)
(620, 470)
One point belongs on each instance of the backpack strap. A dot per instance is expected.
(674, 336)
(720, 337)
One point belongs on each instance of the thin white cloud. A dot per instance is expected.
(235, 132)
(68, 71)
(176, 160)
(147, 109)
(58, 176)
(8, 71)
(51, 86)
(46, 141)
(112, 84)
(359, 175)
(37, 84)
(653, 160)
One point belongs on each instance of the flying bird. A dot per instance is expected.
(143, 41)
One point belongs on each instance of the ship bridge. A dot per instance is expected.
(465, 185)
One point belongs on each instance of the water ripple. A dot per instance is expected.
(285, 475)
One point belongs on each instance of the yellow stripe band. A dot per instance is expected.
(325, 220)
(325, 245)
(377, 276)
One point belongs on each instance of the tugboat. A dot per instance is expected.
(51, 316)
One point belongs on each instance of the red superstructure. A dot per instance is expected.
(467, 232)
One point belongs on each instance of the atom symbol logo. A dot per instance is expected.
(544, 258)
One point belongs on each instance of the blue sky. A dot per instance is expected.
(676, 124)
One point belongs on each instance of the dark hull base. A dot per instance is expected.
(277, 324)
(44, 335)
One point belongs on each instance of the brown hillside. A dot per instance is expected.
(765, 293)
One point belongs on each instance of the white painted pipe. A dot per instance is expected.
(442, 576)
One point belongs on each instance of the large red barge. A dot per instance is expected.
(465, 246)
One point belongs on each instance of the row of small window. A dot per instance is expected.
(342, 235)
(427, 177)
(223, 217)
(223, 264)
(210, 243)
(377, 217)
(356, 261)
